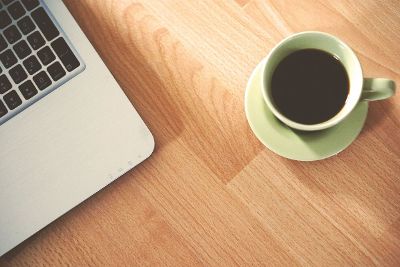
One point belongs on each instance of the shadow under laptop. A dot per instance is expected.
(131, 61)
(147, 92)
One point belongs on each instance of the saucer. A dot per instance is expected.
(294, 144)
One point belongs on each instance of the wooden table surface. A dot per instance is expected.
(211, 194)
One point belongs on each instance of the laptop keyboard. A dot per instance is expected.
(35, 55)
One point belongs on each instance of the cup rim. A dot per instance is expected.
(334, 120)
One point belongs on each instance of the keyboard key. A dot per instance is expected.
(45, 24)
(8, 58)
(32, 65)
(16, 10)
(5, 19)
(42, 80)
(26, 25)
(30, 4)
(5, 84)
(46, 56)
(66, 55)
(18, 74)
(27, 89)
(12, 34)
(12, 100)
(3, 109)
(56, 71)
(3, 43)
(36, 40)
(22, 49)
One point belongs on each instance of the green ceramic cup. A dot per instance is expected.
(361, 89)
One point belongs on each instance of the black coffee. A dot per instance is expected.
(309, 86)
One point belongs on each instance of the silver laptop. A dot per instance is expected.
(66, 127)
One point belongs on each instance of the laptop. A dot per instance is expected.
(66, 128)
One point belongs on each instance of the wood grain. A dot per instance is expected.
(212, 194)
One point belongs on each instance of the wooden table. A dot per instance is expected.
(212, 194)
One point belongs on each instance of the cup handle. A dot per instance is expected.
(377, 89)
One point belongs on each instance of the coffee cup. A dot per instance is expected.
(307, 91)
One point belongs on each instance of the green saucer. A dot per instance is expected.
(294, 144)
